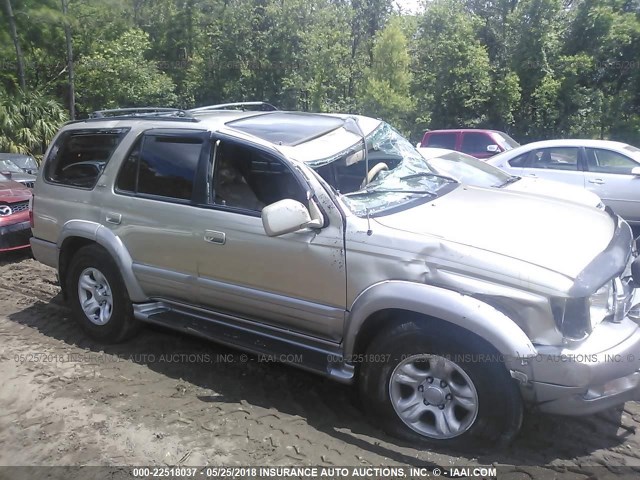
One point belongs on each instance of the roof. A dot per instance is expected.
(300, 135)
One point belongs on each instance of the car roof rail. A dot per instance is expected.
(254, 106)
(148, 113)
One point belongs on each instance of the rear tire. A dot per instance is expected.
(98, 297)
(439, 387)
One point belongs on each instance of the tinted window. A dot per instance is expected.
(607, 161)
(519, 161)
(476, 142)
(441, 140)
(167, 166)
(128, 175)
(250, 179)
(79, 157)
(559, 158)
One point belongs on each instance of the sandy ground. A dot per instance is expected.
(167, 399)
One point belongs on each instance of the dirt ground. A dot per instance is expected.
(168, 399)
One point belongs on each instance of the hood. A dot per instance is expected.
(550, 233)
(562, 191)
(11, 192)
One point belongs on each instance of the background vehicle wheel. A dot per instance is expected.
(98, 297)
(439, 386)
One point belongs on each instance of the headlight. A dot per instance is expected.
(602, 304)
(577, 317)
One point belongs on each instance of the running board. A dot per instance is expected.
(275, 344)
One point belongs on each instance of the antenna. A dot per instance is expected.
(369, 231)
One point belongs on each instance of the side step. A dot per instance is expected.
(277, 344)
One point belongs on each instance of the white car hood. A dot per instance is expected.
(549, 188)
(550, 233)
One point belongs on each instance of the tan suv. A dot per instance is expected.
(326, 241)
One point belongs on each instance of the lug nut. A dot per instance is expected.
(448, 397)
(426, 403)
(441, 407)
(429, 379)
(443, 384)
(421, 388)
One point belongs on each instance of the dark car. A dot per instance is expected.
(26, 163)
(478, 143)
(15, 226)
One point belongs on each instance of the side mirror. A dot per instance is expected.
(286, 216)
(493, 148)
(635, 171)
(6, 174)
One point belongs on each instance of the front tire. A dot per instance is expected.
(439, 386)
(98, 298)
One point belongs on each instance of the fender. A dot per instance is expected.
(447, 305)
(112, 244)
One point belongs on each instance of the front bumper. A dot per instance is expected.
(597, 375)
(15, 236)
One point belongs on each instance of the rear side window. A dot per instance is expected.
(162, 165)
(78, 157)
(441, 140)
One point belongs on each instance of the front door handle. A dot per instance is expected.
(218, 238)
(114, 218)
(597, 181)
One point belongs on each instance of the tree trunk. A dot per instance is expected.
(72, 90)
(16, 43)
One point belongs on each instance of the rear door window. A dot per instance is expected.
(79, 157)
(557, 158)
(162, 164)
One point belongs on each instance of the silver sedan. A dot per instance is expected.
(611, 170)
(470, 170)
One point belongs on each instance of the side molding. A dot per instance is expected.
(456, 308)
(110, 242)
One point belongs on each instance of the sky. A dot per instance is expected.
(413, 6)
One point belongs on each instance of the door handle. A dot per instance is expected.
(114, 218)
(597, 181)
(218, 238)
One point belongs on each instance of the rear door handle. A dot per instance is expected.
(218, 238)
(597, 181)
(114, 218)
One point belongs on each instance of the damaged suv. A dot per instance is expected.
(326, 240)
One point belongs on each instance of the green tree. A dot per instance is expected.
(453, 83)
(119, 75)
(28, 122)
(386, 91)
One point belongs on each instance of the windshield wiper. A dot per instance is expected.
(369, 191)
(509, 181)
(428, 174)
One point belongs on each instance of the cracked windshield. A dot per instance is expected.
(397, 174)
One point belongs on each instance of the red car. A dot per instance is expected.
(15, 226)
(476, 142)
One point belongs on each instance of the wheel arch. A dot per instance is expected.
(77, 234)
(394, 301)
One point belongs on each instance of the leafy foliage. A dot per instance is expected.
(535, 68)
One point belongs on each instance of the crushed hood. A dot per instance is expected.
(559, 236)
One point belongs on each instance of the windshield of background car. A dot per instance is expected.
(468, 170)
(9, 166)
(404, 175)
(506, 141)
(27, 163)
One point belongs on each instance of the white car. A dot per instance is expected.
(470, 170)
(611, 170)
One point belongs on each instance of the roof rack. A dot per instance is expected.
(256, 106)
(151, 113)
